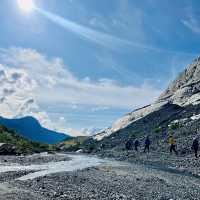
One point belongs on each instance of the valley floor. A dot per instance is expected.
(111, 180)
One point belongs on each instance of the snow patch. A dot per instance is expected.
(195, 117)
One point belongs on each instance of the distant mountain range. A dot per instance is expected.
(31, 129)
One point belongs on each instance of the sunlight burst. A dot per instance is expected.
(26, 5)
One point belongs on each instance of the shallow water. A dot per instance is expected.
(76, 162)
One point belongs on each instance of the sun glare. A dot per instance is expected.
(26, 5)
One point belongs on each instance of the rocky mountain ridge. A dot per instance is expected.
(176, 111)
(128, 119)
(185, 89)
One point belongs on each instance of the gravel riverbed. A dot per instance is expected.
(33, 159)
(111, 180)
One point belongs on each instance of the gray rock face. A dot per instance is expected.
(185, 89)
(129, 119)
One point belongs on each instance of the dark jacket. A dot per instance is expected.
(137, 143)
(195, 144)
(147, 141)
(129, 144)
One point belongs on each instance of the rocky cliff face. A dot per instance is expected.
(129, 119)
(185, 89)
(184, 92)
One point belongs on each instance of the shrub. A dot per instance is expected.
(174, 125)
(21, 144)
(158, 129)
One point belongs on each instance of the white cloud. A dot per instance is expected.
(55, 83)
(192, 23)
(90, 131)
(63, 126)
(37, 65)
(30, 78)
(191, 20)
(96, 109)
(97, 21)
(17, 95)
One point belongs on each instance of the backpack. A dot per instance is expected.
(147, 141)
(137, 143)
(195, 144)
(128, 145)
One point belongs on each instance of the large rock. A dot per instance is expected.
(7, 149)
(185, 89)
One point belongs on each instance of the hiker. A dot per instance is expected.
(172, 143)
(102, 146)
(147, 144)
(195, 146)
(136, 144)
(128, 144)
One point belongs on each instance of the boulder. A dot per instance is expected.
(7, 149)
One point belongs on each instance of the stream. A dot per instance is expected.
(77, 162)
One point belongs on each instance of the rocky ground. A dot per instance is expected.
(33, 159)
(113, 182)
(187, 163)
(110, 181)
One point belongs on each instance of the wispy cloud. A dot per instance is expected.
(192, 23)
(109, 61)
(95, 36)
(33, 79)
(62, 86)
(101, 38)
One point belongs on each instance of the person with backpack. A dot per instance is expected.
(172, 143)
(136, 144)
(195, 146)
(147, 143)
(128, 144)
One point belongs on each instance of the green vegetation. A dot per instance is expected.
(174, 125)
(158, 129)
(21, 145)
(76, 143)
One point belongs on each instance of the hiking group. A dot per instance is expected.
(171, 141)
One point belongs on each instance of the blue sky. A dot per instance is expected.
(80, 65)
